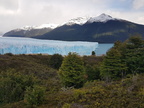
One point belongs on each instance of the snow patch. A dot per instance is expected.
(102, 18)
(52, 26)
(28, 28)
(79, 21)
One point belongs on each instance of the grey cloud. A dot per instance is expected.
(138, 4)
(9, 4)
(36, 12)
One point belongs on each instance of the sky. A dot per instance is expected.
(18, 13)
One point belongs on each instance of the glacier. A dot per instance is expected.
(19, 45)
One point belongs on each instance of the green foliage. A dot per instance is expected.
(13, 86)
(92, 67)
(92, 72)
(93, 53)
(34, 96)
(135, 42)
(66, 105)
(19, 72)
(38, 65)
(112, 66)
(56, 61)
(72, 71)
(98, 94)
(124, 58)
(134, 55)
(9, 54)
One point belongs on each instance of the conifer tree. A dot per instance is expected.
(135, 55)
(72, 71)
(113, 66)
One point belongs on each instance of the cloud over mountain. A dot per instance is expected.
(17, 13)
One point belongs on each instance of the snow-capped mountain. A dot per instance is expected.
(102, 18)
(83, 20)
(31, 31)
(79, 21)
(103, 28)
(50, 26)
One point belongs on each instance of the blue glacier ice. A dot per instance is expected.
(35, 46)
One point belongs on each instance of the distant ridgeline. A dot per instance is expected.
(102, 29)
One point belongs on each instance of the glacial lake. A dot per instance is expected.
(103, 48)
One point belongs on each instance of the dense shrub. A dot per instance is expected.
(56, 61)
(13, 86)
(34, 96)
(92, 72)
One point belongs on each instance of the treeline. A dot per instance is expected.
(121, 60)
(73, 81)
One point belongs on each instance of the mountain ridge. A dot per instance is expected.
(103, 29)
(31, 31)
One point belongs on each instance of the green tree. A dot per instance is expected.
(113, 66)
(134, 55)
(72, 71)
(93, 53)
(135, 42)
(56, 61)
(124, 58)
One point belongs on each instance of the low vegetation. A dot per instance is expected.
(53, 81)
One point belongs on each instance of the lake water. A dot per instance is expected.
(18, 45)
(103, 48)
